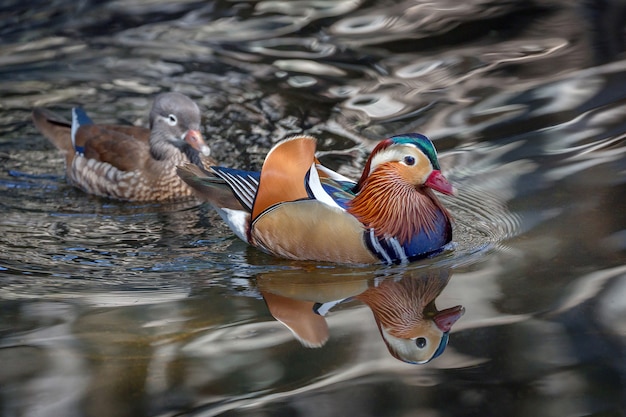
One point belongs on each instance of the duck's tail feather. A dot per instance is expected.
(209, 187)
(54, 127)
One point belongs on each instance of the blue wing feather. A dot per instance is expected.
(339, 191)
(79, 118)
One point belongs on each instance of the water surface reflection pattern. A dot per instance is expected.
(111, 308)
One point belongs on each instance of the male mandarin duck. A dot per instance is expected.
(298, 209)
(129, 162)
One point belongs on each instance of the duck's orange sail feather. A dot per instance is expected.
(283, 173)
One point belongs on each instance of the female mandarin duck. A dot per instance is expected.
(129, 162)
(296, 208)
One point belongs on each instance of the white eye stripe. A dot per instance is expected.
(396, 153)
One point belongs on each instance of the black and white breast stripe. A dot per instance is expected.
(387, 249)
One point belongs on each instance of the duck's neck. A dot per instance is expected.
(394, 208)
(165, 151)
(162, 149)
(399, 306)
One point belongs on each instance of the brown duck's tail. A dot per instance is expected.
(55, 128)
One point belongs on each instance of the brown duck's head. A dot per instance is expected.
(175, 120)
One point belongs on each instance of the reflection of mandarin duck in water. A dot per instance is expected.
(130, 162)
(298, 209)
(410, 324)
(404, 309)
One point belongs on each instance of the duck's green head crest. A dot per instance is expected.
(418, 140)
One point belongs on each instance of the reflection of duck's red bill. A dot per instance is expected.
(446, 318)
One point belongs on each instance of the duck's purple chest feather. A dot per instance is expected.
(422, 245)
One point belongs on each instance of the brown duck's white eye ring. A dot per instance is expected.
(409, 160)
(172, 120)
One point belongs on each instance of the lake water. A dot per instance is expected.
(121, 309)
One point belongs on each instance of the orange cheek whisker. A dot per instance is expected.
(393, 207)
(399, 306)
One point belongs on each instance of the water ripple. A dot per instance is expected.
(287, 47)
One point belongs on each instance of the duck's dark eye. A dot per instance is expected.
(409, 160)
(420, 342)
(172, 120)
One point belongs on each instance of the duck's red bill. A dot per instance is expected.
(438, 182)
